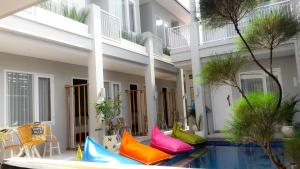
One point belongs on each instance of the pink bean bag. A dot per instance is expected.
(166, 143)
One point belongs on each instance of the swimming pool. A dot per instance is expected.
(225, 155)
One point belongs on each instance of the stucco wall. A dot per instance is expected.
(63, 74)
(150, 11)
(127, 79)
(287, 65)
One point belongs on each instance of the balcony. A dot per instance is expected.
(179, 37)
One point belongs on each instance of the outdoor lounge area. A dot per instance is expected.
(117, 84)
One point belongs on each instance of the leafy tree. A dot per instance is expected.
(267, 32)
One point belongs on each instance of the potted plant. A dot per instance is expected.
(292, 148)
(107, 111)
(288, 110)
(197, 127)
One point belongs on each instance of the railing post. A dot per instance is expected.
(95, 71)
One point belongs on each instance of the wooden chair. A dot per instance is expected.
(29, 141)
(10, 144)
(50, 141)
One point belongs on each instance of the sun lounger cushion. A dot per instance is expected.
(131, 148)
(187, 137)
(168, 144)
(94, 152)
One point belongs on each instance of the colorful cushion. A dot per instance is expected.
(145, 154)
(94, 152)
(187, 137)
(166, 143)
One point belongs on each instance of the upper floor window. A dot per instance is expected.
(28, 97)
(259, 81)
(131, 9)
(162, 30)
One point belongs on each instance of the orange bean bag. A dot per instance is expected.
(131, 148)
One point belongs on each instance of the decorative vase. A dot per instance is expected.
(287, 131)
(111, 143)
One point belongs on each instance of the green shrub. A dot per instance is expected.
(257, 126)
(79, 15)
(135, 38)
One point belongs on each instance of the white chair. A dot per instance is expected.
(51, 142)
(10, 144)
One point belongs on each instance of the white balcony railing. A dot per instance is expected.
(110, 26)
(180, 36)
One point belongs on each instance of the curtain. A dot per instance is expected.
(107, 93)
(44, 99)
(116, 89)
(252, 85)
(132, 16)
(271, 85)
(19, 98)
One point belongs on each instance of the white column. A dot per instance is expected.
(150, 84)
(95, 70)
(196, 66)
(297, 58)
(181, 106)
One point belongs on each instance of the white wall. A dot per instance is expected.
(63, 74)
(288, 69)
(150, 11)
(127, 79)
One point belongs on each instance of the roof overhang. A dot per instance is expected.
(12, 6)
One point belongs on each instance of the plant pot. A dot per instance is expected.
(287, 131)
(111, 143)
(199, 133)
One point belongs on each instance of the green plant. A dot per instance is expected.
(79, 15)
(288, 109)
(135, 38)
(292, 146)
(269, 31)
(107, 111)
(166, 51)
(255, 126)
(218, 13)
(72, 12)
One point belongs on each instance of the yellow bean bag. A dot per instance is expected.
(131, 148)
(187, 137)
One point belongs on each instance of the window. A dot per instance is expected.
(112, 89)
(162, 29)
(124, 22)
(28, 98)
(131, 10)
(44, 95)
(259, 81)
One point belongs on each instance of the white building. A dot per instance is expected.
(50, 63)
(189, 52)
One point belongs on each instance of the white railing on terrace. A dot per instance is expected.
(110, 26)
(180, 36)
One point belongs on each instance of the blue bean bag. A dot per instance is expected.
(94, 152)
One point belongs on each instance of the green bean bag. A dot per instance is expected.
(187, 137)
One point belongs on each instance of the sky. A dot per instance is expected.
(185, 3)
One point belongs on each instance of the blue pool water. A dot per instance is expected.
(222, 155)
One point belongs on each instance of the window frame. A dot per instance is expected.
(128, 15)
(111, 89)
(260, 74)
(35, 94)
